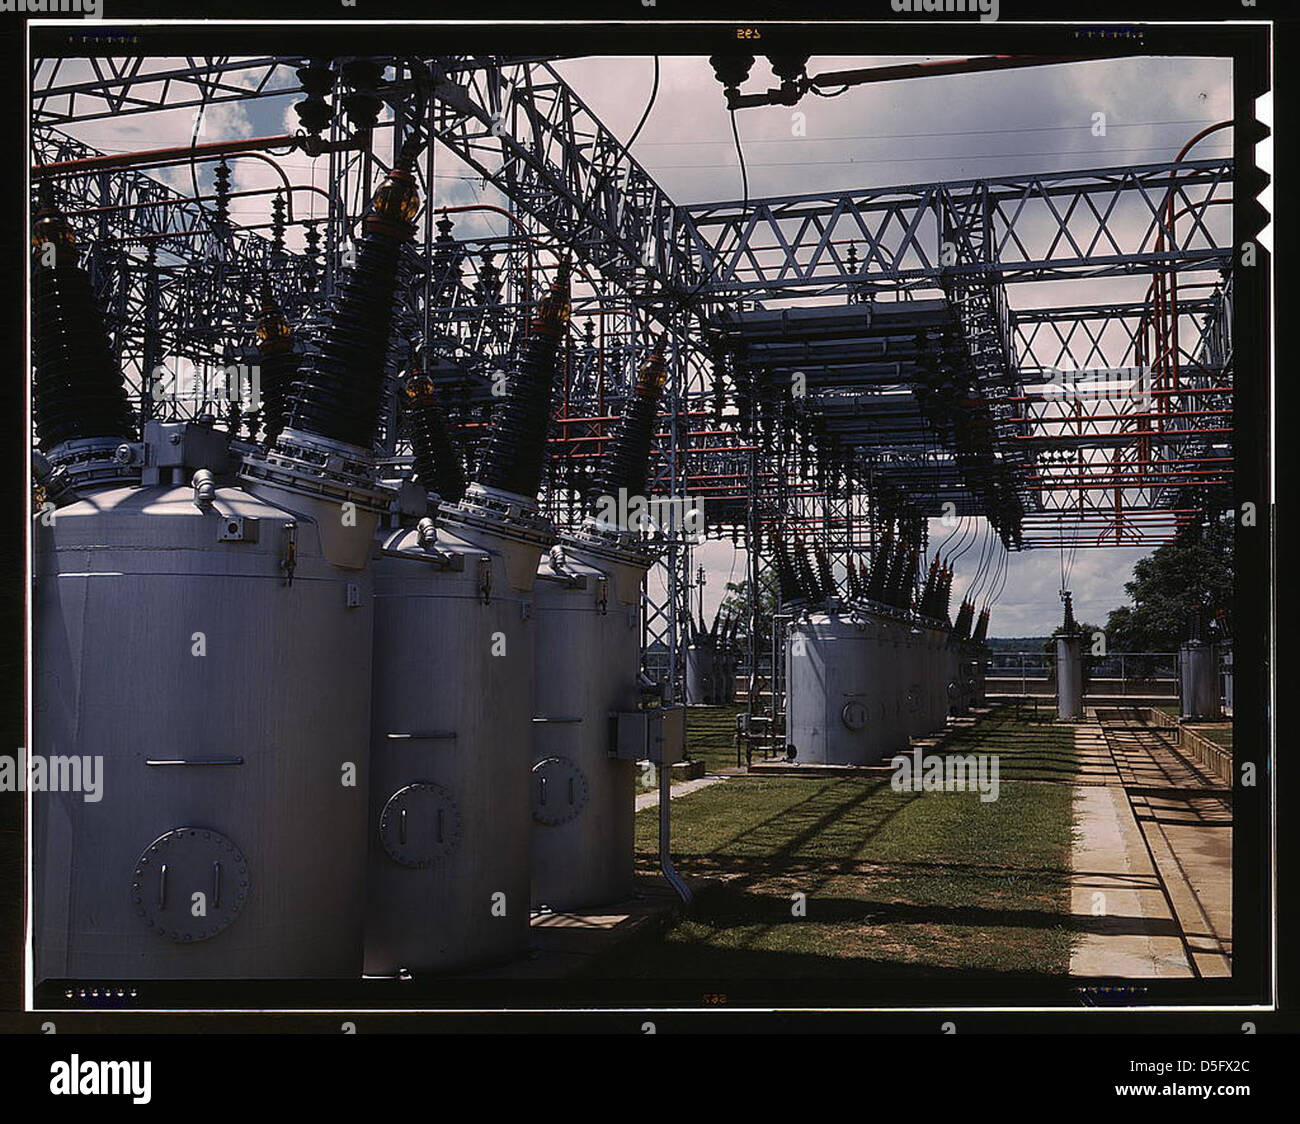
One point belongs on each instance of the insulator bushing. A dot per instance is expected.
(362, 104)
(981, 627)
(338, 392)
(788, 68)
(807, 575)
(79, 391)
(825, 575)
(516, 446)
(626, 460)
(878, 583)
(731, 71)
(787, 580)
(961, 626)
(854, 582)
(438, 463)
(277, 364)
(314, 110)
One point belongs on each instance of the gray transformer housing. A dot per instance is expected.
(701, 675)
(979, 669)
(229, 839)
(448, 881)
(710, 675)
(848, 677)
(1198, 680)
(925, 661)
(588, 626)
(1069, 678)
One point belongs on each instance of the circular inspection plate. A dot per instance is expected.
(189, 884)
(854, 714)
(559, 791)
(420, 824)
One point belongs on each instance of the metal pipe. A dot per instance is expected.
(665, 818)
(85, 165)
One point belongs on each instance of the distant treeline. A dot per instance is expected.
(1017, 643)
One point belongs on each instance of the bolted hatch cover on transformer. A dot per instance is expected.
(189, 884)
(420, 824)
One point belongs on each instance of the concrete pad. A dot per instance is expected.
(562, 944)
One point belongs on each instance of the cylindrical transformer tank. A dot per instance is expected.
(1198, 675)
(915, 661)
(448, 884)
(727, 676)
(957, 676)
(841, 680)
(940, 677)
(979, 672)
(895, 679)
(218, 664)
(1069, 678)
(701, 675)
(587, 615)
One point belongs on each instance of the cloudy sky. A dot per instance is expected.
(895, 133)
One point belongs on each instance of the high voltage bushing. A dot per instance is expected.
(437, 460)
(961, 627)
(878, 582)
(626, 461)
(338, 392)
(808, 586)
(788, 588)
(854, 583)
(79, 393)
(277, 364)
(516, 448)
(825, 575)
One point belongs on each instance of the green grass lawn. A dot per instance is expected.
(1218, 732)
(895, 882)
(711, 734)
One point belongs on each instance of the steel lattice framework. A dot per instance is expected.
(1102, 423)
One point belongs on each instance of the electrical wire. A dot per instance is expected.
(740, 155)
(654, 93)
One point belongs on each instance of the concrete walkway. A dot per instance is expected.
(1143, 899)
(682, 788)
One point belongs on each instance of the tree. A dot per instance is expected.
(1192, 573)
(736, 603)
